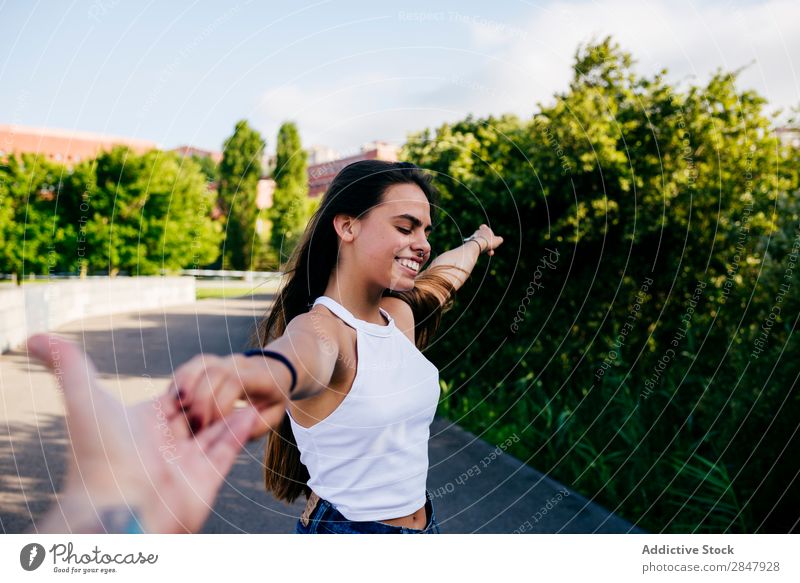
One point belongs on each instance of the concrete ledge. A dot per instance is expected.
(40, 307)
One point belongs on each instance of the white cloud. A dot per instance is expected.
(360, 109)
(510, 66)
(688, 39)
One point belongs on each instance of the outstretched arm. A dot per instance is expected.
(435, 287)
(209, 385)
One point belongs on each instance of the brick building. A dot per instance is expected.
(198, 153)
(321, 175)
(789, 136)
(65, 146)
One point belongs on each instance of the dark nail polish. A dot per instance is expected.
(194, 424)
(181, 394)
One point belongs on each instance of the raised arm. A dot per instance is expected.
(435, 288)
(457, 264)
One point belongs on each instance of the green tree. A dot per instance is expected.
(76, 213)
(145, 213)
(239, 173)
(32, 235)
(118, 213)
(208, 166)
(7, 205)
(626, 180)
(177, 215)
(290, 203)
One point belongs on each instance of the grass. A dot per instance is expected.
(10, 283)
(653, 472)
(203, 293)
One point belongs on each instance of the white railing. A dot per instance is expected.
(232, 274)
(199, 273)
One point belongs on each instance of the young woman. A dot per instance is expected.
(341, 382)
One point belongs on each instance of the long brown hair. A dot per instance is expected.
(355, 190)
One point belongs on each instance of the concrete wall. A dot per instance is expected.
(12, 316)
(40, 307)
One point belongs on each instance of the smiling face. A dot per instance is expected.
(393, 233)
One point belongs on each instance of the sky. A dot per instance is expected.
(352, 72)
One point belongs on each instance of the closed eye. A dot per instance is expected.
(404, 231)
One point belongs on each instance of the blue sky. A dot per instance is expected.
(352, 72)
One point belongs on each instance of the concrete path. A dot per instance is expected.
(135, 354)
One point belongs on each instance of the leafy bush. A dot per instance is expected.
(620, 330)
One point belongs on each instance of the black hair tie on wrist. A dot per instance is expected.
(277, 356)
(480, 247)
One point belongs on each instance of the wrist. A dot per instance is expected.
(479, 239)
(287, 390)
(77, 514)
(480, 247)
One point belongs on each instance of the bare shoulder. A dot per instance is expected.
(402, 314)
(319, 322)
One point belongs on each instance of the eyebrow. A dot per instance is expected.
(414, 221)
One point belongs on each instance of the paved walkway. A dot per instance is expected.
(135, 354)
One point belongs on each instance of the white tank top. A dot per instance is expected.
(369, 457)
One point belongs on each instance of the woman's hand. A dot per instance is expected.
(493, 240)
(208, 386)
(134, 463)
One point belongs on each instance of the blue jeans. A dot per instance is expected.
(325, 519)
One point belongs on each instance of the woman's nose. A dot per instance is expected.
(422, 246)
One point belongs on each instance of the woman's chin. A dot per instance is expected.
(401, 284)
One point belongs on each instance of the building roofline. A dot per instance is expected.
(74, 134)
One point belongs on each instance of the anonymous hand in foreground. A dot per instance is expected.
(137, 461)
